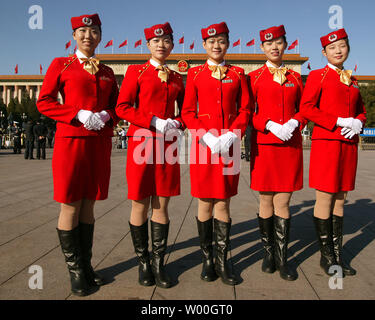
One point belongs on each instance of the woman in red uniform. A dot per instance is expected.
(332, 100)
(222, 93)
(151, 175)
(276, 148)
(81, 156)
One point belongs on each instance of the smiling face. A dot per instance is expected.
(337, 52)
(216, 47)
(88, 38)
(274, 50)
(160, 48)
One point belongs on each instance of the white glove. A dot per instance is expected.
(160, 124)
(357, 126)
(103, 115)
(288, 128)
(173, 124)
(345, 122)
(226, 141)
(276, 129)
(90, 120)
(348, 133)
(171, 133)
(212, 142)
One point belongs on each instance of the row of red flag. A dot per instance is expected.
(181, 41)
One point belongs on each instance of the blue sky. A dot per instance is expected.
(124, 19)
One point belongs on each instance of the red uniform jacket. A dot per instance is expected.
(326, 98)
(143, 95)
(276, 103)
(80, 90)
(212, 104)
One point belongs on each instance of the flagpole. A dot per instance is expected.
(126, 46)
(240, 44)
(112, 45)
(183, 44)
(254, 45)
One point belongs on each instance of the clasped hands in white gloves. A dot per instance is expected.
(219, 144)
(93, 121)
(163, 126)
(283, 132)
(350, 127)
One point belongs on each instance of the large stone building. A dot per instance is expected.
(17, 86)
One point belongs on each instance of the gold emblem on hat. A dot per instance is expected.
(159, 32)
(332, 37)
(87, 21)
(211, 32)
(268, 36)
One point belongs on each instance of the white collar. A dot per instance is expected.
(334, 67)
(211, 63)
(156, 64)
(80, 56)
(271, 65)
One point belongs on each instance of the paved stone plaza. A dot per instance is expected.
(28, 218)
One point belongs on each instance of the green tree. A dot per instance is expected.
(368, 96)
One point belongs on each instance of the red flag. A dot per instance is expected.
(125, 43)
(109, 43)
(16, 69)
(355, 68)
(192, 46)
(137, 43)
(75, 49)
(68, 44)
(250, 43)
(293, 45)
(237, 43)
(308, 66)
(41, 69)
(181, 40)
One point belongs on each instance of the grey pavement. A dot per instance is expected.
(28, 220)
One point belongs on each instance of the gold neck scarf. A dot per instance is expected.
(345, 76)
(163, 73)
(218, 72)
(91, 65)
(278, 74)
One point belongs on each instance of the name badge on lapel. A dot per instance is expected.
(289, 84)
(355, 86)
(227, 81)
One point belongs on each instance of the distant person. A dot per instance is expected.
(40, 133)
(247, 142)
(16, 132)
(50, 135)
(29, 140)
(332, 100)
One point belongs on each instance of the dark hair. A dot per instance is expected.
(347, 43)
(170, 36)
(224, 33)
(284, 38)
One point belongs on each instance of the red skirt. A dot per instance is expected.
(333, 165)
(214, 176)
(81, 168)
(152, 168)
(276, 168)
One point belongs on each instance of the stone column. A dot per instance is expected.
(5, 88)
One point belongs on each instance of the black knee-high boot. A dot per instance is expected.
(282, 227)
(86, 234)
(324, 232)
(70, 246)
(337, 235)
(140, 241)
(205, 231)
(159, 236)
(222, 241)
(267, 236)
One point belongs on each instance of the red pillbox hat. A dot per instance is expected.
(85, 20)
(333, 36)
(272, 33)
(214, 30)
(158, 30)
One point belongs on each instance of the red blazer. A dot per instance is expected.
(326, 98)
(143, 95)
(80, 90)
(276, 103)
(210, 103)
